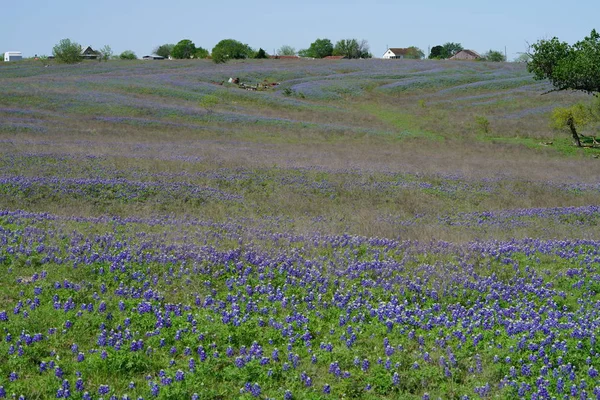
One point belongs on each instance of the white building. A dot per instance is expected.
(13, 56)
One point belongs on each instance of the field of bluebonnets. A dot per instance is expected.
(365, 229)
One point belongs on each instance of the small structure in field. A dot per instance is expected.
(89, 54)
(466, 55)
(153, 57)
(13, 56)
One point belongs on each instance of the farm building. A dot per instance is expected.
(334, 58)
(395, 52)
(466, 55)
(89, 54)
(153, 57)
(13, 56)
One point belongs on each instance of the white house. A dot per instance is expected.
(408, 52)
(13, 56)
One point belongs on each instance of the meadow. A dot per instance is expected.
(375, 229)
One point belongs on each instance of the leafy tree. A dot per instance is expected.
(568, 67)
(201, 53)
(352, 48)
(446, 50)
(436, 52)
(572, 117)
(229, 49)
(414, 52)
(184, 49)
(318, 49)
(261, 54)
(450, 49)
(105, 53)
(164, 50)
(128, 55)
(494, 56)
(67, 52)
(286, 50)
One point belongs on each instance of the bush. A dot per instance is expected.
(483, 124)
(184, 49)
(67, 52)
(229, 49)
(128, 55)
(164, 50)
(201, 53)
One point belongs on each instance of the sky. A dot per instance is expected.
(35, 26)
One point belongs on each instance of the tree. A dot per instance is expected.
(184, 49)
(450, 49)
(436, 52)
(286, 50)
(105, 53)
(229, 49)
(67, 52)
(568, 67)
(164, 50)
(318, 49)
(414, 53)
(261, 54)
(494, 56)
(201, 53)
(352, 48)
(572, 117)
(446, 50)
(128, 55)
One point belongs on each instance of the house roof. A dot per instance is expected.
(333, 57)
(471, 53)
(89, 50)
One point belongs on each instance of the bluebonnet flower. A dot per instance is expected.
(326, 389)
(103, 389)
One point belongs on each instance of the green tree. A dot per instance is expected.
(261, 54)
(494, 56)
(128, 55)
(572, 117)
(318, 49)
(229, 49)
(164, 50)
(450, 49)
(67, 52)
(446, 50)
(286, 50)
(352, 48)
(414, 53)
(201, 53)
(105, 53)
(184, 49)
(568, 67)
(436, 52)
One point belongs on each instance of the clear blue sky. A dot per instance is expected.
(35, 26)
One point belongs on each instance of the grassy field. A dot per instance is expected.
(363, 229)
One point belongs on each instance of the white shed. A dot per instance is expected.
(13, 56)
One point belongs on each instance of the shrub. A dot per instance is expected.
(67, 52)
(128, 55)
(483, 124)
